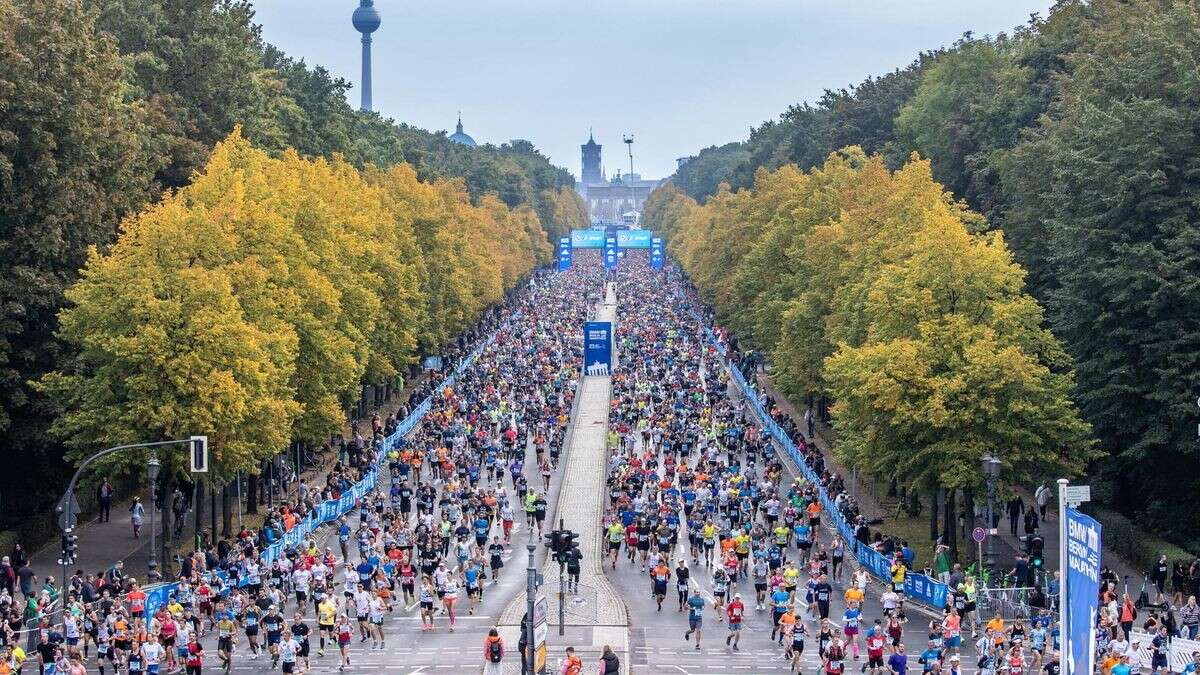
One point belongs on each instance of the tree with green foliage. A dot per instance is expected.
(1105, 188)
(73, 160)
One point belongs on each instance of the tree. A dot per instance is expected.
(73, 160)
(1105, 189)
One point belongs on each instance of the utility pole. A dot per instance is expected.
(1063, 626)
(632, 191)
(561, 554)
(530, 599)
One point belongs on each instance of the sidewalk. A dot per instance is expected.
(597, 615)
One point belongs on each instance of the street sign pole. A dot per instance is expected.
(1062, 564)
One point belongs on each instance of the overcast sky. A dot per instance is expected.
(679, 75)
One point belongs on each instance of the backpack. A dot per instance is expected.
(494, 652)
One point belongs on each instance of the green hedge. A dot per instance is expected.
(1133, 543)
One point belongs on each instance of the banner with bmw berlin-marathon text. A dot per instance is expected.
(597, 348)
(587, 238)
(564, 253)
(1083, 591)
(634, 238)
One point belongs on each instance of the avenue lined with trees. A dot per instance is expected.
(314, 280)
(1075, 136)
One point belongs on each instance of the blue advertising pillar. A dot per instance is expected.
(610, 252)
(597, 347)
(564, 253)
(656, 253)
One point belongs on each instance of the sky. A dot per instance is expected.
(678, 75)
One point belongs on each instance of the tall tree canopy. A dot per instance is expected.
(873, 287)
(106, 103)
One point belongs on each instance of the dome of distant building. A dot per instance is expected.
(461, 138)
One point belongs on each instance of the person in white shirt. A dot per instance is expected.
(152, 655)
(377, 610)
(287, 654)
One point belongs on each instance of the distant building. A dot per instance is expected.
(459, 137)
(593, 173)
(611, 201)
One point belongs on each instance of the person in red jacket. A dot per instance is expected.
(493, 653)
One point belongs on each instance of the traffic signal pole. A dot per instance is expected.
(562, 585)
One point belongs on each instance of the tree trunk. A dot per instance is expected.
(951, 529)
(212, 512)
(968, 510)
(198, 506)
(251, 493)
(933, 513)
(226, 512)
(164, 541)
(892, 490)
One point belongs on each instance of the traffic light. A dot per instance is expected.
(70, 547)
(569, 540)
(552, 540)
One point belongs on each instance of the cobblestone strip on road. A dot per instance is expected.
(597, 616)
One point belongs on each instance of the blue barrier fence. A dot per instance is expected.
(330, 510)
(917, 586)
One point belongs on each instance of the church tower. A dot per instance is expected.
(592, 173)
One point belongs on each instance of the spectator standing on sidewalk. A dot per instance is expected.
(493, 653)
(1016, 506)
(136, 513)
(8, 575)
(808, 422)
(1042, 496)
(25, 578)
(104, 497)
(609, 663)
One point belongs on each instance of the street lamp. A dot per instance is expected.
(991, 471)
(152, 468)
(632, 191)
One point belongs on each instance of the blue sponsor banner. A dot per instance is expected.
(564, 253)
(587, 238)
(610, 253)
(597, 348)
(634, 238)
(656, 253)
(1083, 589)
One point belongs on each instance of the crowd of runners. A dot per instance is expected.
(694, 482)
(432, 533)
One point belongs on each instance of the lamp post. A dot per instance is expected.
(991, 471)
(152, 468)
(632, 191)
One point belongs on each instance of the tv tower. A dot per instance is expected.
(366, 21)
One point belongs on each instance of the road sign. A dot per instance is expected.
(540, 610)
(1078, 494)
(68, 511)
(979, 534)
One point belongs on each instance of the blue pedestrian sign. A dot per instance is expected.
(656, 253)
(1083, 589)
(597, 348)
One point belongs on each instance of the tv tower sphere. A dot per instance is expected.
(366, 17)
(366, 21)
